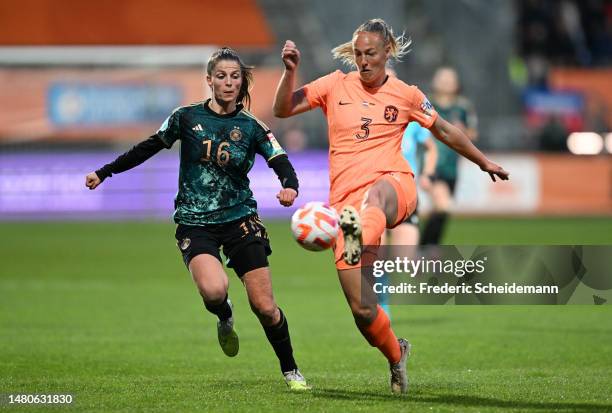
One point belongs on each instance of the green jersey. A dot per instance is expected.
(217, 152)
(460, 111)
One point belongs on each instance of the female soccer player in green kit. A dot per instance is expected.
(215, 207)
(460, 112)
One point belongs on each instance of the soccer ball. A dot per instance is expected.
(315, 226)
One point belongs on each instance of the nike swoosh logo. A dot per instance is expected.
(341, 103)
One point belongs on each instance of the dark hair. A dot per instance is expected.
(227, 53)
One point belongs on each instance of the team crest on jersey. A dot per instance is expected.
(426, 107)
(391, 113)
(235, 134)
(274, 142)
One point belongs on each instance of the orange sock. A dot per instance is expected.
(379, 334)
(373, 223)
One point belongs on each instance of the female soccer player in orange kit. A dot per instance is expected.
(370, 181)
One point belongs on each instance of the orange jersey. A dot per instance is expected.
(365, 127)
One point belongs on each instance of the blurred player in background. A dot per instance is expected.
(417, 144)
(215, 207)
(371, 183)
(460, 112)
(408, 232)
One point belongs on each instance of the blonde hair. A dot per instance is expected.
(400, 45)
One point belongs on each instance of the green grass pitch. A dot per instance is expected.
(108, 313)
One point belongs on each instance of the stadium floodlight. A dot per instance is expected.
(585, 143)
(609, 142)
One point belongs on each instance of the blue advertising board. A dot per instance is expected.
(110, 105)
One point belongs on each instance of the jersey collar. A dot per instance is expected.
(207, 108)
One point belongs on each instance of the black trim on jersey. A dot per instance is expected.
(236, 111)
(134, 157)
(285, 172)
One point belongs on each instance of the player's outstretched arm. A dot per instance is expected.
(288, 178)
(287, 100)
(132, 158)
(429, 163)
(457, 140)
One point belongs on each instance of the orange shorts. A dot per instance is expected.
(405, 188)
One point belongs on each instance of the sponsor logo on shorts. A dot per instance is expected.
(391, 113)
(185, 243)
(364, 201)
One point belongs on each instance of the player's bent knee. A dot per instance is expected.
(265, 310)
(211, 286)
(213, 295)
(363, 314)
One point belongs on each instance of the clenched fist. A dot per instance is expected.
(92, 180)
(286, 196)
(290, 55)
